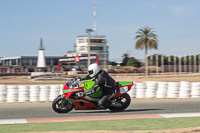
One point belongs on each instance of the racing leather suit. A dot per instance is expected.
(106, 83)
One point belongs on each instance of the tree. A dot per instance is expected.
(146, 39)
(113, 63)
(125, 59)
(133, 62)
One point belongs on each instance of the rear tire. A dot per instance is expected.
(124, 99)
(57, 105)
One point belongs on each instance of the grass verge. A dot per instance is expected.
(126, 125)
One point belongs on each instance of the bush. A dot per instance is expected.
(133, 62)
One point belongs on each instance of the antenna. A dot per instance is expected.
(41, 44)
(95, 18)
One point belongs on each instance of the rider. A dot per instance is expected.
(102, 80)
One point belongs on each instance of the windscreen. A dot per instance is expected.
(73, 83)
(70, 83)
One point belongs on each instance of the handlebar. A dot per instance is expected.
(73, 82)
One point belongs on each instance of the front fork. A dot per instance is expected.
(64, 101)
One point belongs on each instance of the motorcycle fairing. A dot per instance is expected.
(80, 104)
(123, 87)
(67, 92)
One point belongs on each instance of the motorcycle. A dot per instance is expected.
(69, 100)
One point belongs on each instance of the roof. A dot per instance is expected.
(92, 36)
(20, 57)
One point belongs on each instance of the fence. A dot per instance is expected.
(173, 63)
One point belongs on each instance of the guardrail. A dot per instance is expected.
(150, 89)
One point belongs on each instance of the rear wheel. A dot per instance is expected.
(62, 105)
(124, 101)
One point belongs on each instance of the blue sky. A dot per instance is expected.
(59, 22)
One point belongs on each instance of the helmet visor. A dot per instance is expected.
(90, 72)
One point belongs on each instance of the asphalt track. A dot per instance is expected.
(137, 107)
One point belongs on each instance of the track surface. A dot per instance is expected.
(137, 107)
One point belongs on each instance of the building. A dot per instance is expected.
(25, 64)
(78, 62)
(98, 47)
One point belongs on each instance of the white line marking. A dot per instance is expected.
(180, 115)
(13, 121)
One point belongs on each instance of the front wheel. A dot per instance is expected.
(62, 105)
(124, 101)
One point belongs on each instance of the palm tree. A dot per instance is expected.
(148, 40)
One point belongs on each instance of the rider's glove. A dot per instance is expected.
(78, 78)
(80, 94)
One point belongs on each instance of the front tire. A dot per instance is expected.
(124, 100)
(57, 105)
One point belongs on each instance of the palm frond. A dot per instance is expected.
(139, 32)
(139, 36)
(139, 44)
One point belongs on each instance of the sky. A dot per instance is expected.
(59, 22)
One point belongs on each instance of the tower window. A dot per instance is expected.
(97, 40)
(82, 48)
(81, 41)
(96, 48)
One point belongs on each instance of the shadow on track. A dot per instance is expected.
(136, 110)
(107, 111)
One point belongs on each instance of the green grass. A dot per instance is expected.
(128, 124)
